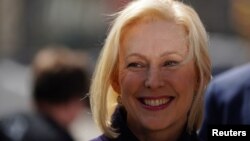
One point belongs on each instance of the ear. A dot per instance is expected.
(115, 81)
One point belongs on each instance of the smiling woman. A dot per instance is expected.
(154, 90)
(155, 63)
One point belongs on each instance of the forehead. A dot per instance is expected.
(155, 34)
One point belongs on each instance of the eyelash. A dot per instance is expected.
(171, 63)
(135, 65)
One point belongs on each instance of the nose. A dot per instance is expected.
(154, 79)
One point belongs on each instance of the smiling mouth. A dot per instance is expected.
(156, 103)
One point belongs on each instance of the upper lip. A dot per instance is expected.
(154, 97)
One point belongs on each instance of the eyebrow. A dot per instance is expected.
(163, 54)
(136, 55)
(171, 52)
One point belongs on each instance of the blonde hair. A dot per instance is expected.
(103, 96)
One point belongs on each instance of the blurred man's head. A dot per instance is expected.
(60, 81)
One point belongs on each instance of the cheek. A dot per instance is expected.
(184, 82)
(181, 82)
(185, 79)
(130, 82)
(187, 82)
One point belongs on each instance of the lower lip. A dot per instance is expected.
(157, 108)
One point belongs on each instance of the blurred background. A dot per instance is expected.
(26, 26)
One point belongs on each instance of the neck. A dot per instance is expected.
(171, 133)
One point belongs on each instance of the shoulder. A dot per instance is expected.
(234, 77)
(229, 85)
(29, 126)
(188, 136)
(102, 138)
(16, 124)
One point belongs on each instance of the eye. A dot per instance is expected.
(171, 63)
(135, 65)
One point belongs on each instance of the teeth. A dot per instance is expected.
(156, 102)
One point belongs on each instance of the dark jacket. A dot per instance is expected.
(227, 99)
(119, 122)
(31, 127)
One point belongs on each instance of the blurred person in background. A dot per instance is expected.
(227, 100)
(152, 72)
(60, 81)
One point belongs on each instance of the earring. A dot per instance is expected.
(119, 100)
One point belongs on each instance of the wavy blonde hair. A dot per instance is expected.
(103, 96)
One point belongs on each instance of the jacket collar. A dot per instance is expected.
(119, 122)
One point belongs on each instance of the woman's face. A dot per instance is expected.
(156, 86)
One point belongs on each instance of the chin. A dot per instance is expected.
(155, 125)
